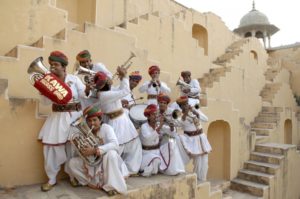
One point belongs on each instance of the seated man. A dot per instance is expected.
(164, 158)
(109, 174)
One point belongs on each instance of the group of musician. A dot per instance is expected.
(165, 142)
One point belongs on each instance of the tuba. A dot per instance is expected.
(85, 138)
(47, 83)
(126, 64)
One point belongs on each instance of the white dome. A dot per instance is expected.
(254, 17)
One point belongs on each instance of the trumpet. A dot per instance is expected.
(126, 64)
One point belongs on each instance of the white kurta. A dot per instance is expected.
(196, 147)
(110, 172)
(55, 131)
(92, 98)
(166, 159)
(130, 147)
(195, 88)
(150, 90)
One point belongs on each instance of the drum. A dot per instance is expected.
(136, 114)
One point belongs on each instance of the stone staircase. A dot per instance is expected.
(258, 176)
(269, 91)
(231, 52)
(215, 74)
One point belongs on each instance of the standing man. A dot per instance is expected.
(110, 103)
(193, 143)
(110, 172)
(55, 131)
(154, 86)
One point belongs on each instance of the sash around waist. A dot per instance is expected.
(152, 147)
(115, 114)
(75, 106)
(193, 133)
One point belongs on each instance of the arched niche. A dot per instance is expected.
(200, 34)
(253, 55)
(219, 159)
(288, 132)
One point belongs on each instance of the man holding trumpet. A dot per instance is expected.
(110, 104)
(154, 86)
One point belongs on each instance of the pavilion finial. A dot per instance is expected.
(253, 5)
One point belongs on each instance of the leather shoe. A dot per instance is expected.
(112, 193)
(47, 187)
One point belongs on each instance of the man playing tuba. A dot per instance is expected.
(109, 174)
(55, 131)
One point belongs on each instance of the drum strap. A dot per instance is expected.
(193, 133)
(113, 115)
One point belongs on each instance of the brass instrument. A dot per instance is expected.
(172, 118)
(126, 64)
(85, 138)
(184, 85)
(47, 83)
(88, 75)
(37, 70)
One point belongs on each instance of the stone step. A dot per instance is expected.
(261, 167)
(269, 114)
(255, 176)
(273, 148)
(264, 119)
(252, 188)
(263, 125)
(260, 131)
(271, 109)
(266, 157)
(262, 139)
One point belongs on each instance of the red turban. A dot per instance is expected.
(152, 69)
(185, 73)
(92, 111)
(182, 100)
(150, 109)
(162, 97)
(135, 76)
(58, 57)
(100, 79)
(84, 55)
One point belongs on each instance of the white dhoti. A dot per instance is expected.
(108, 175)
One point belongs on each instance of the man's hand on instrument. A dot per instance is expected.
(186, 90)
(87, 151)
(121, 72)
(125, 103)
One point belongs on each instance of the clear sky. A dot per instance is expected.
(282, 13)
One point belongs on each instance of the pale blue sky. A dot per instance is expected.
(282, 13)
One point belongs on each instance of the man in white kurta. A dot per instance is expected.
(192, 90)
(55, 131)
(110, 104)
(154, 86)
(110, 172)
(157, 157)
(85, 61)
(194, 143)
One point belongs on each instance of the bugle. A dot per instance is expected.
(126, 64)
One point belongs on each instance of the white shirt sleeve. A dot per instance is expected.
(110, 139)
